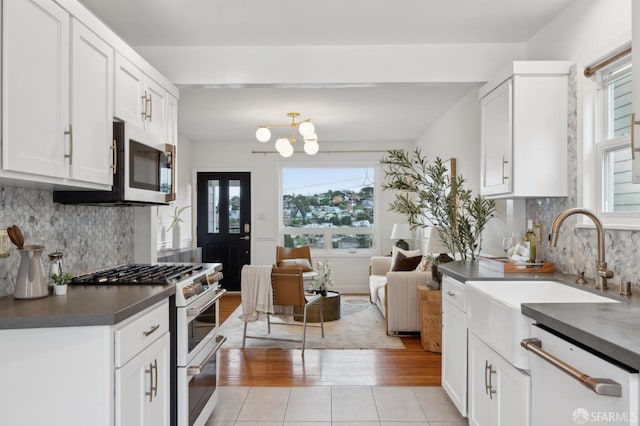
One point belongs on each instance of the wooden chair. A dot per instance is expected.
(291, 253)
(288, 291)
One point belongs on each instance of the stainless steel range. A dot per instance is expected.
(194, 326)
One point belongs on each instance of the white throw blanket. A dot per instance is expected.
(256, 292)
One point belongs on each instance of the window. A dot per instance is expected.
(614, 146)
(606, 177)
(328, 208)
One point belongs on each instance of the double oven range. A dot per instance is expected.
(194, 319)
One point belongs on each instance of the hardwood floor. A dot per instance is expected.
(412, 366)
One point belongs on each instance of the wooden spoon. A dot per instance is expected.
(16, 236)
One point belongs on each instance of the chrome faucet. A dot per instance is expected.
(601, 264)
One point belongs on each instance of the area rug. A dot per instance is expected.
(361, 326)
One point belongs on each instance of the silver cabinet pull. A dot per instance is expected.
(151, 330)
(114, 164)
(488, 386)
(451, 293)
(153, 380)
(144, 105)
(503, 174)
(150, 115)
(70, 154)
(600, 386)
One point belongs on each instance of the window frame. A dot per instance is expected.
(596, 143)
(328, 250)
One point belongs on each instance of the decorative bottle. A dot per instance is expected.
(531, 238)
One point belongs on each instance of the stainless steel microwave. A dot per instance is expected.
(144, 172)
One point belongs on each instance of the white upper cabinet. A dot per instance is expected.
(91, 106)
(35, 88)
(139, 99)
(524, 131)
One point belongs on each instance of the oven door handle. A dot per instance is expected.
(194, 312)
(607, 387)
(195, 370)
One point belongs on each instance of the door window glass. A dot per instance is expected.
(234, 206)
(213, 206)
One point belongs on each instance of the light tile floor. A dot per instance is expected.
(335, 405)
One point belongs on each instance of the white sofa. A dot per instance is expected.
(395, 294)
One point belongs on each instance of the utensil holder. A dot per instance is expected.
(30, 282)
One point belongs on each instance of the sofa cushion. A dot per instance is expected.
(404, 263)
(408, 253)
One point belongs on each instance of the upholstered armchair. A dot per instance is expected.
(395, 294)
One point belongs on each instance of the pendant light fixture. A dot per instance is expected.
(284, 145)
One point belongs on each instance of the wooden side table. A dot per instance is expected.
(430, 302)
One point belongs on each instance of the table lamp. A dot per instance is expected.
(432, 244)
(400, 232)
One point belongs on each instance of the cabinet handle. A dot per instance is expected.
(153, 380)
(488, 371)
(607, 387)
(150, 108)
(633, 134)
(114, 164)
(503, 174)
(151, 330)
(70, 154)
(144, 105)
(451, 293)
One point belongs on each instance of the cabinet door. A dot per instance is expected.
(130, 93)
(142, 387)
(157, 409)
(91, 106)
(496, 140)
(172, 120)
(454, 355)
(513, 389)
(156, 123)
(483, 399)
(35, 87)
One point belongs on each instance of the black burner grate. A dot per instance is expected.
(159, 274)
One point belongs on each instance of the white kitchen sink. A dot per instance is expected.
(493, 311)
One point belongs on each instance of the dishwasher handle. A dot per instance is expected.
(600, 386)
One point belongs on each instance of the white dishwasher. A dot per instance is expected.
(573, 386)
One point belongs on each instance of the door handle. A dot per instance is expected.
(246, 238)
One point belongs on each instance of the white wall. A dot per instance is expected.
(350, 272)
(162, 214)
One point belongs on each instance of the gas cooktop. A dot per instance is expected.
(154, 274)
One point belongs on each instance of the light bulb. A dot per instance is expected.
(263, 134)
(306, 128)
(287, 152)
(281, 144)
(311, 148)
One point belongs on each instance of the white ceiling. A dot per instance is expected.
(384, 113)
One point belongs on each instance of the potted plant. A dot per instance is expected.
(428, 195)
(324, 278)
(175, 224)
(61, 281)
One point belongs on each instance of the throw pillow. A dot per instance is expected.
(404, 263)
(407, 253)
(296, 263)
(424, 265)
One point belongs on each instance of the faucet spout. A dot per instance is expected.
(601, 264)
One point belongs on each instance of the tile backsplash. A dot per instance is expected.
(90, 237)
(577, 248)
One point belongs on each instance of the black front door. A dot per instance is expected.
(224, 227)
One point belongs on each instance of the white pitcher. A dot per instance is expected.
(31, 283)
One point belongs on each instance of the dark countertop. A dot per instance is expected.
(608, 328)
(82, 306)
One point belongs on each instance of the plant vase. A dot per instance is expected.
(176, 235)
(60, 290)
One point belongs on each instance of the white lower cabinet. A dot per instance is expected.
(499, 393)
(104, 375)
(142, 387)
(454, 343)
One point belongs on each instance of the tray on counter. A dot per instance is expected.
(502, 264)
